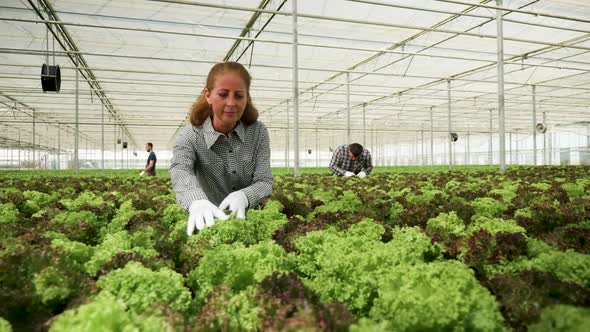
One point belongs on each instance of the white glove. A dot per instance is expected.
(201, 214)
(347, 173)
(142, 173)
(237, 202)
(361, 174)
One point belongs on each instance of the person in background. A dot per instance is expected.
(150, 166)
(351, 160)
(221, 160)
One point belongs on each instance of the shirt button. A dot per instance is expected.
(234, 172)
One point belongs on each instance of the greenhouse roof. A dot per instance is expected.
(392, 64)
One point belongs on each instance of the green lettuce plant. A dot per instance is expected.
(78, 253)
(73, 218)
(488, 207)
(8, 213)
(258, 226)
(494, 226)
(88, 198)
(445, 225)
(118, 242)
(439, 296)
(236, 266)
(566, 265)
(125, 212)
(347, 202)
(345, 266)
(107, 313)
(5, 325)
(563, 318)
(52, 285)
(139, 287)
(36, 200)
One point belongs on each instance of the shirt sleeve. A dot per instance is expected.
(262, 180)
(182, 174)
(368, 167)
(337, 159)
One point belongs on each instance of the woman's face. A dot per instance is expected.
(228, 99)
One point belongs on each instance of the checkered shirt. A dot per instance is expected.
(208, 165)
(341, 163)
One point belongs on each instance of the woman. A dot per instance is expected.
(222, 160)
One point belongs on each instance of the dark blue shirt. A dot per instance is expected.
(151, 171)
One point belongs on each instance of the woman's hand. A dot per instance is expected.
(202, 214)
(237, 202)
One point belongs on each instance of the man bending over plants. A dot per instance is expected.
(351, 160)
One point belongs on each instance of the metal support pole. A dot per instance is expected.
(364, 135)
(102, 139)
(123, 138)
(534, 125)
(378, 154)
(76, 147)
(468, 149)
(295, 88)
(422, 146)
(19, 151)
(516, 150)
(348, 108)
(39, 151)
(317, 149)
(373, 151)
(500, 39)
(33, 111)
(288, 139)
(550, 148)
(115, 146)
(510, 145)
(431, 137)
(449, 125)
(445, 148)
(544, 141)
(490, 149)
(58, 146)
(414, 149)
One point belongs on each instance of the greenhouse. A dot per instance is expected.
(471, 210)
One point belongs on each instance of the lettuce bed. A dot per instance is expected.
(472, 250)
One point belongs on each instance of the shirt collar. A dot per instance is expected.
(211, 136)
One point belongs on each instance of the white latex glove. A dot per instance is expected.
(347, 173)
(361, 174)
(237, 202)
(142, 173)
(201, 214)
